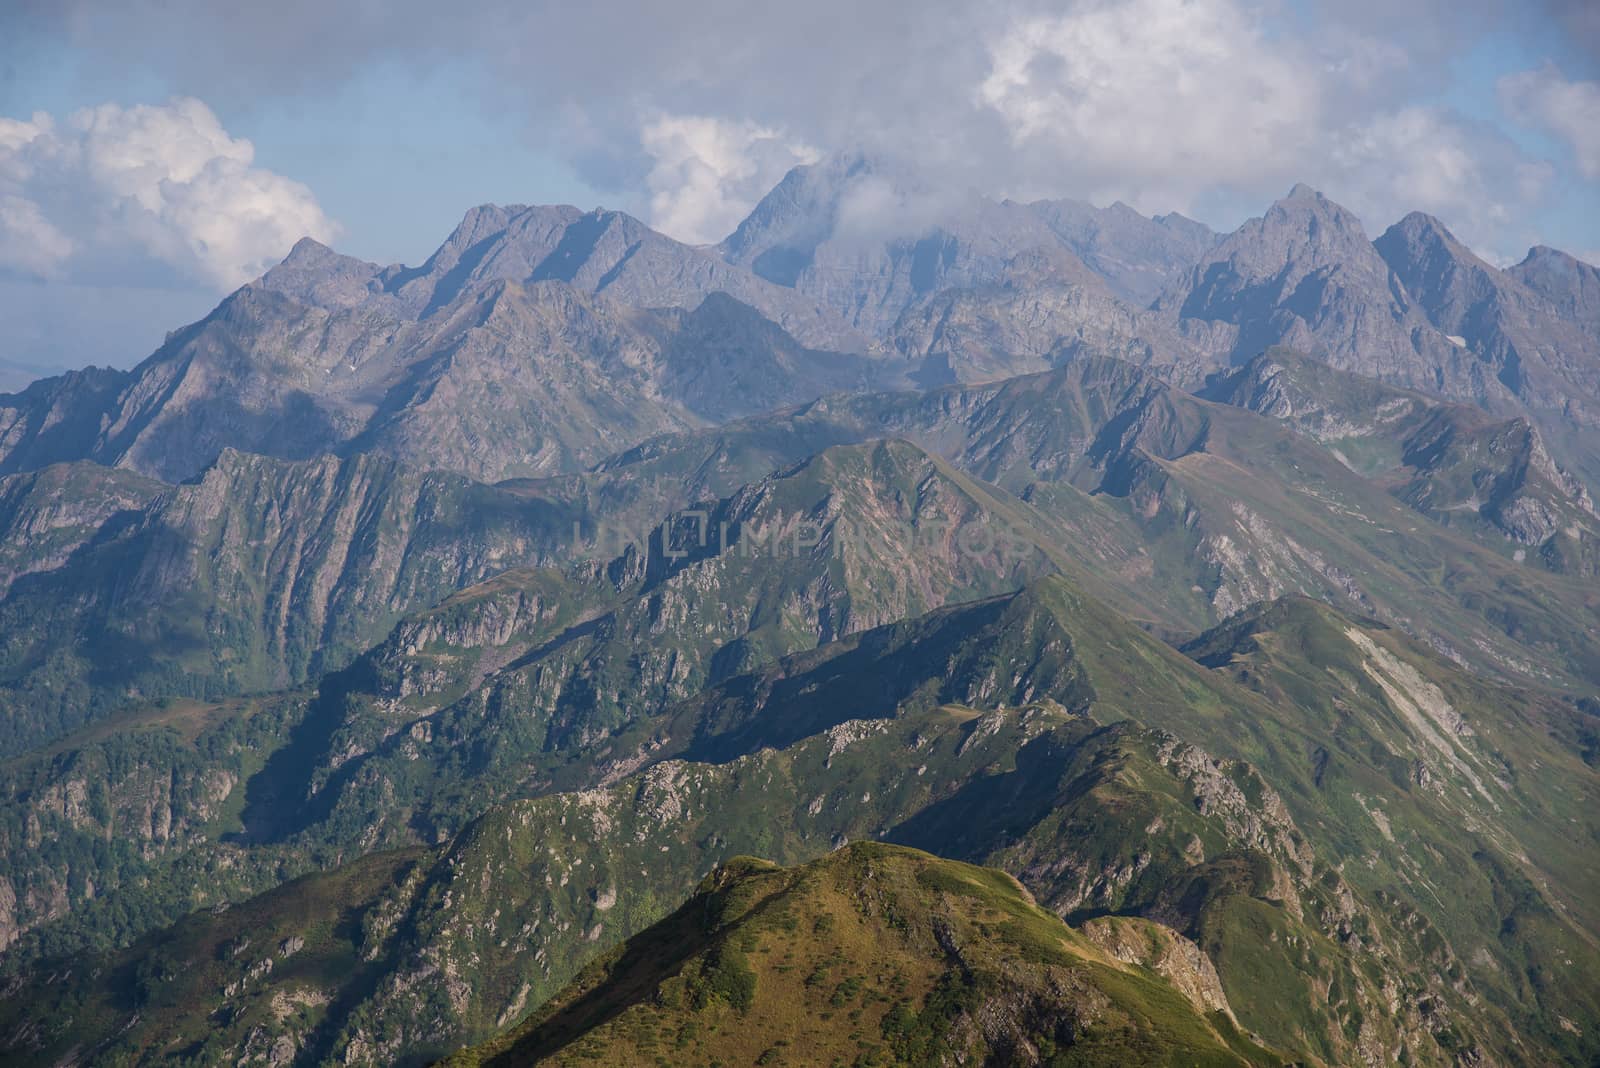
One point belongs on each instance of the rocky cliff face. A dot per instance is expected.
(1305, 275)
(47, 516)
(1543, 357)
(1568, 283)
(259, 575)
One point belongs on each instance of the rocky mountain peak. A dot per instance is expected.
(1280, 267)
(1306, 209)
(1421, 235)
(1304, 231)
(314, 274)
(308, 251)
(1567, 282)
(780, 236)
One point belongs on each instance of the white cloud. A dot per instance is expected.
(708, 172)
(877, 207)
(1207, 106)
(1568, 109)
(1166, 103)
(147, 185)
(28, 243)
(1427, 159)
(1154, 99)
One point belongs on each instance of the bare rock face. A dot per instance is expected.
(1167, 953)
(509, 379)
(257, 575)
(129, 807)
(48, 515)
(537, 340)
(1569, 284)
(1137, 256)
(1540, 354)
(1305, 275)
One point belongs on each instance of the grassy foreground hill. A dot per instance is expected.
(878, 954)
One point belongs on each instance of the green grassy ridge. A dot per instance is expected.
(748, 791)
(1321, 742)
(1039, 821)
(1353, 545)
(1138, 483)
(567, 868)
(502, 688)
(1121, 672)
(560, 692)
(873, 954)
(1525, 745)
(1458, 465)
(1493, 877)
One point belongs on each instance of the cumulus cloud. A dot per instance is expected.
(1208, 106)
(28, 243)
(1568, 109)
(1426, 159)
(1166, 103)
(128, 188)
(1162, 96)
(707, 173)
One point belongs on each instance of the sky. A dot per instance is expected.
(156, 154)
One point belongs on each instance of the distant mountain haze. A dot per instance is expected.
(882, 281)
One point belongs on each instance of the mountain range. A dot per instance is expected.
(919, 628)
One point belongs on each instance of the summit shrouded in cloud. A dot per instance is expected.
(1480, 113)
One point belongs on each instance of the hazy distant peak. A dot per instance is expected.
(1420, 239)
(803, 208)
(1545, 256)
(314, 274)
(1302, 201)
(1421, 228)
(1567, 282)
(309, 250)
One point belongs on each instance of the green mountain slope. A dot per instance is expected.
(1181, 511)
(262, 574)
(1482, 945)
(400, 954)
(488, 693)
(872, 954)
(514, 685)
(1455, 464)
